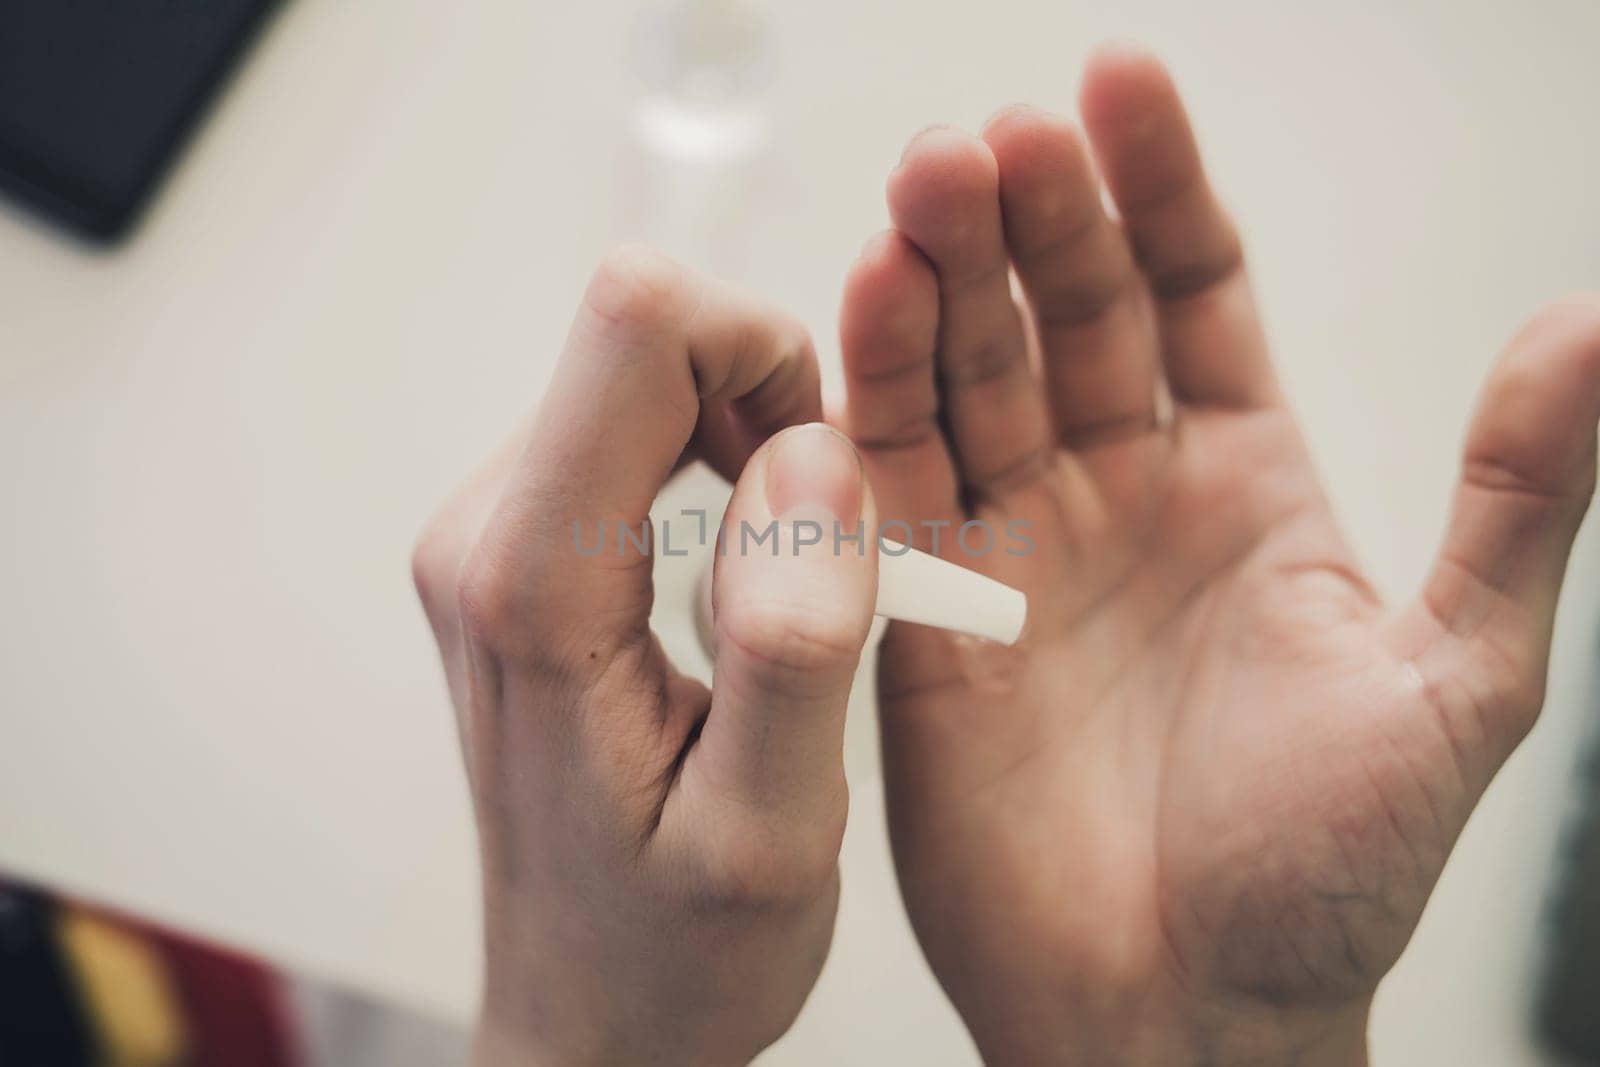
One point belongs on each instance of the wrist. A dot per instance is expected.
(1289, 1037)
(496, 1045)
(1281, 1038)
(1297, 1037)
(497, 1042)
(503, 1039)
(1342, 1042)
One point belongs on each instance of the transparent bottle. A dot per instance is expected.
(700, 148)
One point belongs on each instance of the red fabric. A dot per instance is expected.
(233, 1005)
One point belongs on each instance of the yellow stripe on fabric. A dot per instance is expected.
(126, 991)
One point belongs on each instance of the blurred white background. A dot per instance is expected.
(220, 704)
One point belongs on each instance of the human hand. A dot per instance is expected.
(1195, 814)
(659, 861)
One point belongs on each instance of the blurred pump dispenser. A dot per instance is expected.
(700, 152)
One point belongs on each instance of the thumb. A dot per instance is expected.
(1527, 477)
(792, 597)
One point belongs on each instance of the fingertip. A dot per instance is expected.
(1020, 133)
(636, 289)
(1556, 354)
(1016, 116)
(888, 336)
(953, 159)
(942, 184)
(1536, 422)
(1119, 78)
(1143, 141)
(1120, 51)
(1136, 120)
(1567, 332)
(932, 139)
(890, 306)
(881, 252)
(1046, 176)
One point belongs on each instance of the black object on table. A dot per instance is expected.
(97, 96)
(41, 1021)
(1569, 1007)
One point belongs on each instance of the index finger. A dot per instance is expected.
(655, 353)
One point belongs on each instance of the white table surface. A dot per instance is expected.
(218, 703)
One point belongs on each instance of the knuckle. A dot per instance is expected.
(637, 291)
(793, 646)
(488, 598)
(794, 340)
(781, 347)
(791, 343)
(988, 361)
(434, 563)
(1522, 701)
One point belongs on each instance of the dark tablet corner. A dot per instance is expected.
(1569, 1007)
(98, 96)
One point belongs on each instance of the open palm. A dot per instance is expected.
(1196, 812)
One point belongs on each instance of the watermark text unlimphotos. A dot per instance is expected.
(974, 537)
